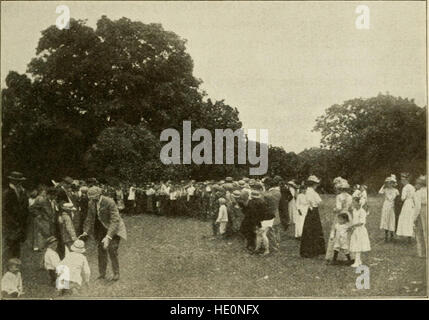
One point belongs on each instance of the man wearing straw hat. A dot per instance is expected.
(15, 216)
(104, 220)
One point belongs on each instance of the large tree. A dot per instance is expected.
(375, 137)
(84, 81)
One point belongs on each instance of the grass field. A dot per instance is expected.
(173, 257)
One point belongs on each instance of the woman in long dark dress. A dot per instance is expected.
(312, 239)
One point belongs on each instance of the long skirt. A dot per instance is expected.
(406, 219)
(299, 223)
(42, 230)
(149, 204)
(330, 248)
(388, 218)
(312, 239)
(421, 231)
(292, 211)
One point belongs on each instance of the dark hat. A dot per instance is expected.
(405, 175)
(50, 240)
(255, 194)
(17, 176)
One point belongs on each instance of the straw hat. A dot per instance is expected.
(292, 183)
(236, 194)
(17, 176)
(67, 206)
(391, 178)
(78, 246)
(50, 240)
(14, 261)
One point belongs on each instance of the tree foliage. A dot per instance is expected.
(375, 137)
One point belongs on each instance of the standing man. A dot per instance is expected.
(272, 198)
(15, 216)
(104, 221)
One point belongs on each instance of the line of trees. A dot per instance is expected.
(93, 102)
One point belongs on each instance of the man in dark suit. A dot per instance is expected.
(15, 216)
(104, 221)
(272, 197)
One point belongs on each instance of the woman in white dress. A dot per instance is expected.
(302, 205)
(406, 217)
(293, 211)
(388, 220)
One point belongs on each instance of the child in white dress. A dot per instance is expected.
(340, 238)
(388, 219)
(359, 240)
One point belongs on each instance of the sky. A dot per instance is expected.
(280, 63)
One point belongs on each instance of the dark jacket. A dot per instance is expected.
(14, 215)
(286, 196)
(108, 215)
(258, 211)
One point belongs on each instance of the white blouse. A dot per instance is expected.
(313, 197)
(408, 192)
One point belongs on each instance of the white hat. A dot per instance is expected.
(293, 184)
(313, 179)
(392, 178)
(68, 206)
(343, 184)
(78, 246)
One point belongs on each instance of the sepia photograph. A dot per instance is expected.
(214, 150)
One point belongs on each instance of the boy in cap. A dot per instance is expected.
(11, 283)
(77, 267)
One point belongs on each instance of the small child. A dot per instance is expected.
(51, 259)
(11, 283)
(340, 237)
(73, 269)
(359, 240)
(222, 218)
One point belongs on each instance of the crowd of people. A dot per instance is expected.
(64, 215)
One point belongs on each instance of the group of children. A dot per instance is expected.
(348, 233)
(67, 275)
